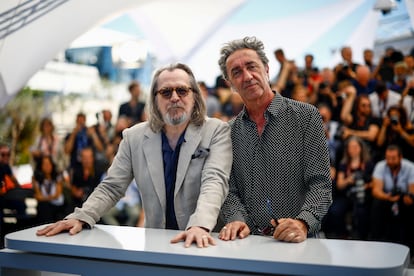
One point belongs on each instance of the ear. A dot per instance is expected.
(267, 70)
(228, 83)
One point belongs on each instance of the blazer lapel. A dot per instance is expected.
(192, 140)
(153, 155)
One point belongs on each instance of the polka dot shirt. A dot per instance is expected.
(287, 166)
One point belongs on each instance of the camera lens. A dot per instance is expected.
(394, 120)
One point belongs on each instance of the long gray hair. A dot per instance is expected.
(199, 112)
(238, 44)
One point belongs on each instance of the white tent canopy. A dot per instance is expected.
(33, 32)
(179, 30)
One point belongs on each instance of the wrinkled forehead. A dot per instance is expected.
(176, 77)
(241, 57)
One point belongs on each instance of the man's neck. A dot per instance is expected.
(173, 133)
(257, 108)
(395, 170)
(133, 101)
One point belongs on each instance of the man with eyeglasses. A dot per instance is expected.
(180, 159)
(281, 171)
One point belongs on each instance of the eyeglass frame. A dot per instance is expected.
(269, 229)
(171, 90)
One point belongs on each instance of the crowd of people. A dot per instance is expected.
(368, 114)
(309, 150)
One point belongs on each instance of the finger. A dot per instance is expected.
(199, 241)
(274, 222)
(205, 240)
(290, 236)
(44, 230)
(244, 232)
(233, 232)
(224, 233)
(208, 240)
(283, 233)
(178, 238)
(281, 230)
(211, 240)
(75, 228)
(190, 238)
(299, 238)
(55, 229)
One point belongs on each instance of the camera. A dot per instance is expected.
(357, 191)
(339, 133)
(396, 191)
(411, 91)
(395, 207)
(394, 120)
(359, 186)
(323, 85)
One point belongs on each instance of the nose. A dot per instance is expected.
(247, 75)
(174, 96)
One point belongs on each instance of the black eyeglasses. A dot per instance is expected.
(269, 229)
(167, 92)
(5, 154)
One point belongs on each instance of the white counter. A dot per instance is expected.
(119, 250)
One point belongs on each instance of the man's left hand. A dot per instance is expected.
(195, 234)
(290, 230)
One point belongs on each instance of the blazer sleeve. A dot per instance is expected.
(214, 178)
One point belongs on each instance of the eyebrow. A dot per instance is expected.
(238, 67)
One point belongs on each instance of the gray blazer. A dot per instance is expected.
(201, 186)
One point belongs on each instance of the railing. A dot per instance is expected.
(24, 13)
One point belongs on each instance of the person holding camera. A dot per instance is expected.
(352, 192)
(393, 198)
(346, 69)
(396, 129)
(81, 137)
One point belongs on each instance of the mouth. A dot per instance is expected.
(175, 108)
(250, 85)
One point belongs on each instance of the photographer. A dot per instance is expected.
(396, 129)
(352, 193)
(393, 190)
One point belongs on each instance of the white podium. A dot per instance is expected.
(120, 250)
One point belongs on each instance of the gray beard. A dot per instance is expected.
(175, 121)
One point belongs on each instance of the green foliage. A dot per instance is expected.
(18, 122)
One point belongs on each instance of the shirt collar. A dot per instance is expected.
(166, 145)
(274, 107)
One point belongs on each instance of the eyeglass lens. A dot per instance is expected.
(168, 91)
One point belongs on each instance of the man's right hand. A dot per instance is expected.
(234, 229)
(73, 226)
